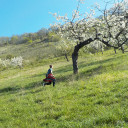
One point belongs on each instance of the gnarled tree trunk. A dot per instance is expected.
(75, 53)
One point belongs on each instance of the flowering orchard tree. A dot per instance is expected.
(110, 29)
(65, 47)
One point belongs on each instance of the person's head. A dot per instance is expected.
(50, 66)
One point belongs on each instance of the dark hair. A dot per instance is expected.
(50, 66)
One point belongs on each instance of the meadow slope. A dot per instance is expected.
(95, 98)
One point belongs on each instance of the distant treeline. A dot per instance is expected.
(43, 35)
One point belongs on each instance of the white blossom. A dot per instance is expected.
(16, 61)
(85, 26)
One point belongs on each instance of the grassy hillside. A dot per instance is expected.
(95, 98)
(29, 51)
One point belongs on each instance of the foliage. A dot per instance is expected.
(14, 39)
(9, 56)
(52, 37)
(4, 41)
(43, 35)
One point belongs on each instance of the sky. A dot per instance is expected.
(28, 16)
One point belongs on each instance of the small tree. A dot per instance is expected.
(53, 37)
(14, 39)
(65, 48)
(42, 33)
(110, 29)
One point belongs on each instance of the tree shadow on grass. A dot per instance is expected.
(64, 69)
(9, 89)
(82, 64)
(33, 85)
(12, 90)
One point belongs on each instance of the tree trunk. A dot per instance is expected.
(122, 49)
(66, 57)
(115, 50)
(75, 53)
(102, 51)
(74, 60)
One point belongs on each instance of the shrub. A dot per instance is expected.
(13, 62)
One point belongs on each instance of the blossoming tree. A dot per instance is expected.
(110, 29)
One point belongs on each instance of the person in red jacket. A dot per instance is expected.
(49, 77)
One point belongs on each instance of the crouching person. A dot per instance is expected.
(49, 77)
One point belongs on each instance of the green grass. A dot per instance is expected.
(30, 52)
(95, 98)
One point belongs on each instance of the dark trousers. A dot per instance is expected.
(51, 82)
(54, 82)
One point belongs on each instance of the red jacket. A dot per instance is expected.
(49, 78)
